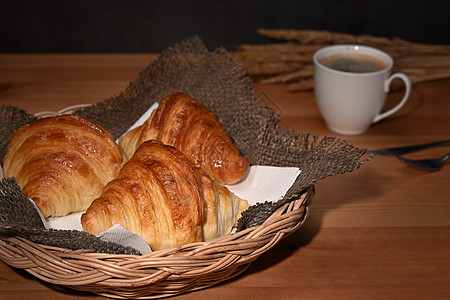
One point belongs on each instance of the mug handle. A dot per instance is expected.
(387, 84)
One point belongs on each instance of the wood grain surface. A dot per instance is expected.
(381, 232)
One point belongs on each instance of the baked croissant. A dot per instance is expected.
(189, 126)
(62, 163)
(161, 196)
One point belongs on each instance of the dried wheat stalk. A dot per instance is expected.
(289, 61)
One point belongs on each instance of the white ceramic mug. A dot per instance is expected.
(350, 102)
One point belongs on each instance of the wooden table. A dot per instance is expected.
(381, 232)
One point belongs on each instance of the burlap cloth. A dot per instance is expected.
(219, 82)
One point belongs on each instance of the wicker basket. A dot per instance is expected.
(161, 273)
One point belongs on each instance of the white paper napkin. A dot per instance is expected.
(265, 183)
(69, 222)
(121, 236)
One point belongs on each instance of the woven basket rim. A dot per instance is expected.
(65, 110)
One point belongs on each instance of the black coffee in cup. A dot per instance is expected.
(354, 63)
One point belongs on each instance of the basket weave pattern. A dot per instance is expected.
(158, 274)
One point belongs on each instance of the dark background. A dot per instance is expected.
(151, 26)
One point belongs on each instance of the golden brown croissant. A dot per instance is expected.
(222, 208)
(62, 163)
(189, 126)
(161, 196)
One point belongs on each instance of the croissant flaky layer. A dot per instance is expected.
(62, 162)
(161, 196)
(189, 126)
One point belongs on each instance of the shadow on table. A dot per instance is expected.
(359, 186)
